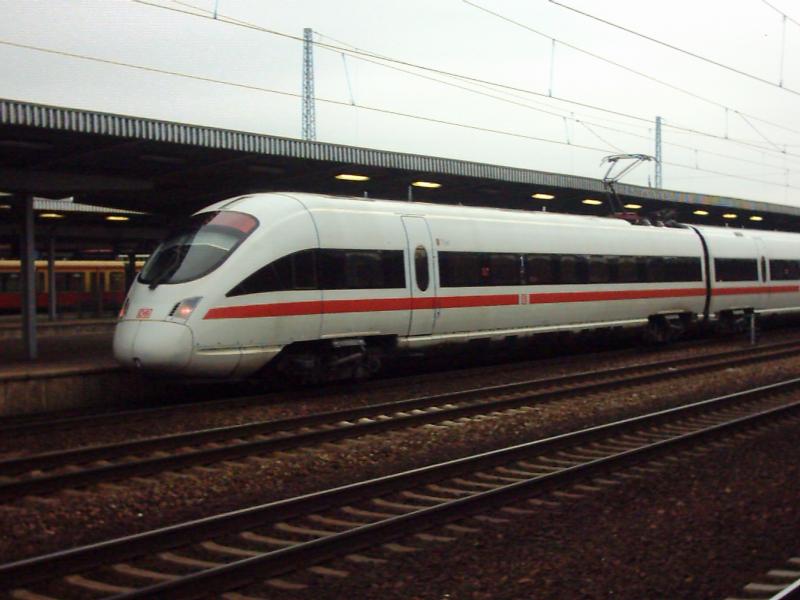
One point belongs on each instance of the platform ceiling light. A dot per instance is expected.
(730, 216)
(700, 212)
(756, 218)
(592, 201)
(633, 206)
(352, 177)
(6, 194)
(541, 196)
(117, 218)
(426, 184)
(50, 215)
(5, 207)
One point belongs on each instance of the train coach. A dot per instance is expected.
(81, 286)
(321, 287)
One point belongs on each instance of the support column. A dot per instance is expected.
(28, 272)
(99, 282)
(130, 270)
(52, 292)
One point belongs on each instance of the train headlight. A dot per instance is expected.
(184, 309)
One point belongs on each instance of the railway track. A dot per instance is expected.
(268, 543)
(47, 423)
(777, 584)
(53, 471)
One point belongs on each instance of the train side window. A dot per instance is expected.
(654, 268)
(304, 270)
(10, 282)
(116, 281)
(569, 269)
(784, 270)
(461, 269)
(504, 269)
(627, 269)
(736, 269)
(692, 269)
(540, 269)
(70, 282)
(421, 267)
(361, 269)
(598, 269)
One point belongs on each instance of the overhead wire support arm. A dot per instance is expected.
(609, 180)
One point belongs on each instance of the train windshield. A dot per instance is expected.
(197, 248)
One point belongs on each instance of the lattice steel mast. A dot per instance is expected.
(309, 125)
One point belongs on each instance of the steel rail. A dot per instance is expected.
(45, 423)
(268, 564)
(336, 425)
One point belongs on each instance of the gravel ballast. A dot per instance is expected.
(33, 526)
(701, 528)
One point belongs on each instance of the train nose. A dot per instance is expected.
(153, 345)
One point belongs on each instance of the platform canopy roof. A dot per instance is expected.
(171, 169)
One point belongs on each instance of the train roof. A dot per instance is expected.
(253, 203)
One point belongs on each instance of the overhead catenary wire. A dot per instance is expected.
(677, 48)
(551, 112)
(783, 14)
(239, 23)
(624, 67)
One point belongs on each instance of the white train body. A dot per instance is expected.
(323, 278)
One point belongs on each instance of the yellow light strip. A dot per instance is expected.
(541, 196)
(592, 201)
(352, 177)
(426, 184)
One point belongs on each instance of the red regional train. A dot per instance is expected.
(76, 285)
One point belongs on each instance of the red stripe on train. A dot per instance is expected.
(315, 307)
(549, 298)
(772, 289)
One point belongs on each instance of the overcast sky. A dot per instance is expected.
(751, 150)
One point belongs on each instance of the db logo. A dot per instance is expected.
(144, 313)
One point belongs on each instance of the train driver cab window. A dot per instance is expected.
(198, 248)
(421, 268)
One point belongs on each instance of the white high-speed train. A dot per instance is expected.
(324, 287)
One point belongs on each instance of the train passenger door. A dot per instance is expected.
(763, 270)
(422, 283)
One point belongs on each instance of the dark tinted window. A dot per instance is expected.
(541, 269)
(361, 269)
(572, 269)
(473, 269)
(784, 270)
(736, 269)
(599, 269)
(69, 282)
(504, 269)
(421, 268)
(292, 272)
(10, 282)
(628, 269)
(462, 269)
